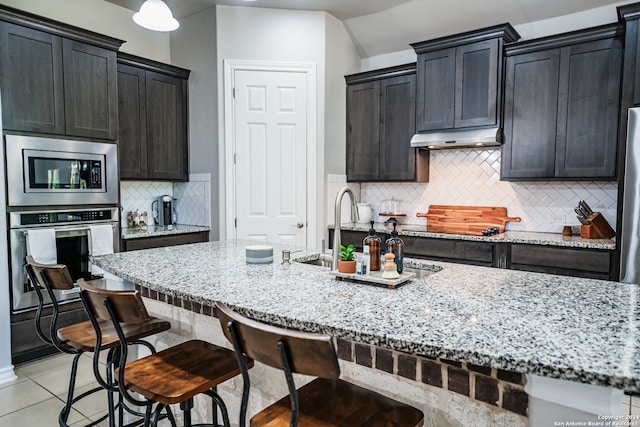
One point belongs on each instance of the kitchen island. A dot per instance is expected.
(494, 322)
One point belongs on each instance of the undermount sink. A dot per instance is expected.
(419, 272)
(318, 261)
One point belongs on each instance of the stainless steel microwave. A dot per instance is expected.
(49, 171)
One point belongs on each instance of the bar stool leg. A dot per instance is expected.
(64, 414)
(186, 407)
(215, 408)
(219, 403)
(110, 402)
(156, 416)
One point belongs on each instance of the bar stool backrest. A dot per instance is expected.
(57, 275)
(127, 305)
(309, 353)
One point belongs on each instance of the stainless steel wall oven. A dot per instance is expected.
(72, 247)
(67, 186)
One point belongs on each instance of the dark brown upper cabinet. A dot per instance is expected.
(56, 78)
(380, 124)
(153, 132)
(562, 106)
(90, 90)
(630, 15)
(459, 79)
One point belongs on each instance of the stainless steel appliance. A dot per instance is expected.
(48, 171)
(72, 246)
(630, 235)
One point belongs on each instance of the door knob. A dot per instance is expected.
(298, 225)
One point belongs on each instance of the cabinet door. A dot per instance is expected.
(132, 122)
(436, 79)
(31, 80)
(397, 126)
(90, 90)
(363, 131)
(565, 261)
(476, 94)
(530, 113)
(167, 155)
(590, 79)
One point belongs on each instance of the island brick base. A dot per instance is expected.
(492, 386)
(495, 387)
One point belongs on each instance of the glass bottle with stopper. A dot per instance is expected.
(395, 245)
(373, 242)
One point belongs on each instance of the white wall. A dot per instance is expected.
(259, 34)
(104, 18)
(341, 59)
(193, 46)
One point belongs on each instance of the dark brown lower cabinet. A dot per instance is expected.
(160, 241)
(589, 263)
(352, 237)
(565, 261)
(25, 343)
(450, 250)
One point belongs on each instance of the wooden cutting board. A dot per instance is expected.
(470, 220)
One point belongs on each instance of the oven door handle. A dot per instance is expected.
(68, 229)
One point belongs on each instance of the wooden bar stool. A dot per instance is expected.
(326, 401)
(81, 337)
(174, 375)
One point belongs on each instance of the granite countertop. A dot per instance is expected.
(570, 328)
(155, 230)
(527, 237)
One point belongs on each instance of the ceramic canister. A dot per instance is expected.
(364, 213)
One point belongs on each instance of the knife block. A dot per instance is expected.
(598, 228)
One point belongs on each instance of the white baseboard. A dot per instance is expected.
(7, 375)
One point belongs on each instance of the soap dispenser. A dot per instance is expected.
(395, 245)
(373, 242)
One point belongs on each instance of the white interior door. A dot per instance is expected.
(270, 111)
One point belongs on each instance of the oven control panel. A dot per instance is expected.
(61, 217)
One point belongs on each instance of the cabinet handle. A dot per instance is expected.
(298, 225)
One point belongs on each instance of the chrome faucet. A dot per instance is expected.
(336, 231)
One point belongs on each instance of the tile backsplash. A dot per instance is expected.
(472, 177)
(192, 204)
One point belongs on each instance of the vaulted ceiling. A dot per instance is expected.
(383, 26)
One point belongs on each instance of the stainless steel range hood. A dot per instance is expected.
(476, 138)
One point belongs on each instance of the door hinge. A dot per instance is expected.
(235, 158)
(233, 92)
(235, 222)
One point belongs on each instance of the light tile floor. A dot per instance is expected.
(39, 394)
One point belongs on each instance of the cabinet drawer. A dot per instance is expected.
(464, 251)
(546, 259)
(160, 241)
(355, 237)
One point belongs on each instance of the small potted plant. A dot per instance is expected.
(347, 262)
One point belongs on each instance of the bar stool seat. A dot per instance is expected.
(83, 337)
(179, 373)
(174, 375)
(326, 401)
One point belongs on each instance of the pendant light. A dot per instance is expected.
(155, 15)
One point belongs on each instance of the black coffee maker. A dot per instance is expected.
(163, 210)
